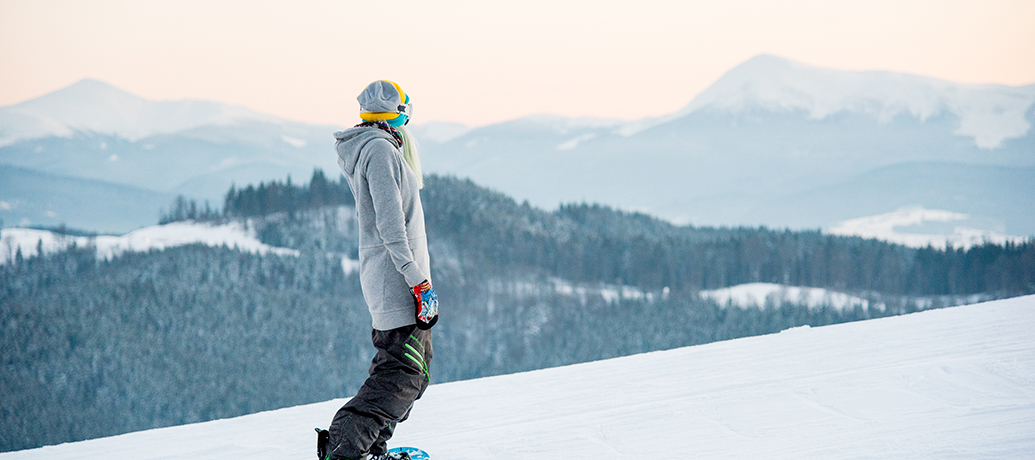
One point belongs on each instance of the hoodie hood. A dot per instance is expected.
(351, 141)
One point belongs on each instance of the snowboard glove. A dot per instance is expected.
(426, 303)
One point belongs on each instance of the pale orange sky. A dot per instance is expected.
(481, 62)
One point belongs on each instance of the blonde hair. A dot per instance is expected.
(411, 153)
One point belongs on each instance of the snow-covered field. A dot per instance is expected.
(610, 292)
(233, 234)
(894, 227)
(761, 294)
(955, 383)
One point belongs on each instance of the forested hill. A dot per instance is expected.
(592, 243)
(98, 347)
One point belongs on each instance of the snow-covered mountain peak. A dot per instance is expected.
(773, 83)
(901, 227)
(988, 113)
(84, 93)
(94, 106)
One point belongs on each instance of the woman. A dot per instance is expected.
(381, 163)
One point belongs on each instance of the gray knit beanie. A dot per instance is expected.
(382, 96)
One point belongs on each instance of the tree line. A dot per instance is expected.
(593, 243)
(264, 199)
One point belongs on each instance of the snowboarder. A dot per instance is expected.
(381, 163)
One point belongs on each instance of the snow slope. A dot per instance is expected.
(889, 227)
(158, 237)
(759, 294)
(956, 383)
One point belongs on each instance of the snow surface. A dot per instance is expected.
(955, 383)
(988, 113)
(888, 226)
(157, 237)
(760, 294)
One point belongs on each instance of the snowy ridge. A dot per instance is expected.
(610, 293)
(762, 295)
(759, 295)
(988, 113)
(94, 106)
(158, 237)
(888, 226)
(574, 142)
(954, 383)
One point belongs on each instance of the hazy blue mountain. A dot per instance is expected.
(95, 131)
(94, 106)
(38, 198)
(998, 198)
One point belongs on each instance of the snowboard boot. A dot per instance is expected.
(323, 437)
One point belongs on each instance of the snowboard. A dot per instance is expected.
(415, 453)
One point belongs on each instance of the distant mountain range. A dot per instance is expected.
(778, 143)
(773, 142)
(97, 132)
(37, 198)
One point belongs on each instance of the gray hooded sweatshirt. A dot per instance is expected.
(393, 247)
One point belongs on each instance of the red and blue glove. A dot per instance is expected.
(426, 302)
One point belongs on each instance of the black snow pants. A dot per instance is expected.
(399, 374)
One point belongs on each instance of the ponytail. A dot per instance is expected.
(411, 153)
